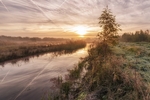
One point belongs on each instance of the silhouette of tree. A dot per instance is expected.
(110, 28)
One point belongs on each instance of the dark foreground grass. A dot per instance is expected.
(14, 51)
(102, 75)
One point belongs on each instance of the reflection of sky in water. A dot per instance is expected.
(82, 51)
(34, 74)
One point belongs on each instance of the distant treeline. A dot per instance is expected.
(138, 36)
(3, 38)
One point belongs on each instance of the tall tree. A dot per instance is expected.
(110, 28)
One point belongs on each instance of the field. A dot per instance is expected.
(12, 49)
(137, 56)
(120, 72)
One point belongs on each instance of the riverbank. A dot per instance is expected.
(32, 79)
(10, 51)
(108, 73)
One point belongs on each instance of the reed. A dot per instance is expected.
(12, 51)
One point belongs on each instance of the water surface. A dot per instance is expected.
(30, 79)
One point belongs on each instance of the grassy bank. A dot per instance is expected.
(138, 55)
(13, 50)
(107, 73)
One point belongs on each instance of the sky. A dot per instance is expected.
(42, 18)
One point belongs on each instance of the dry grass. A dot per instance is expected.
(12, 50)
(107, 77)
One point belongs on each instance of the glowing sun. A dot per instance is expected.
(80, 30)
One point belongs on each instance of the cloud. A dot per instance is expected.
(131, 14)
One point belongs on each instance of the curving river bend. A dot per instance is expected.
(30, 79)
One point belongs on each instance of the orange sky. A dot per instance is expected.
(51, 18)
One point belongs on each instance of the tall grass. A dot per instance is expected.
(9, 52)
(107, 77)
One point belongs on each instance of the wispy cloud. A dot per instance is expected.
(4, 5)
(62, 14)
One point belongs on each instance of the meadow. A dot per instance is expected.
(12, 49)
(137, 55)
(119, 72)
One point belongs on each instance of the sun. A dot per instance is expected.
(80, 30)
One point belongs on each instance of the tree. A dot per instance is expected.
(110, 28)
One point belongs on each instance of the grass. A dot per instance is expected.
(137, 54)
(115, 73)
(14, 50)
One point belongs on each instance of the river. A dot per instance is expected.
(30, 78)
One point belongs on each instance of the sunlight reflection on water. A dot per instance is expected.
(82, 51)
(35, 73)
